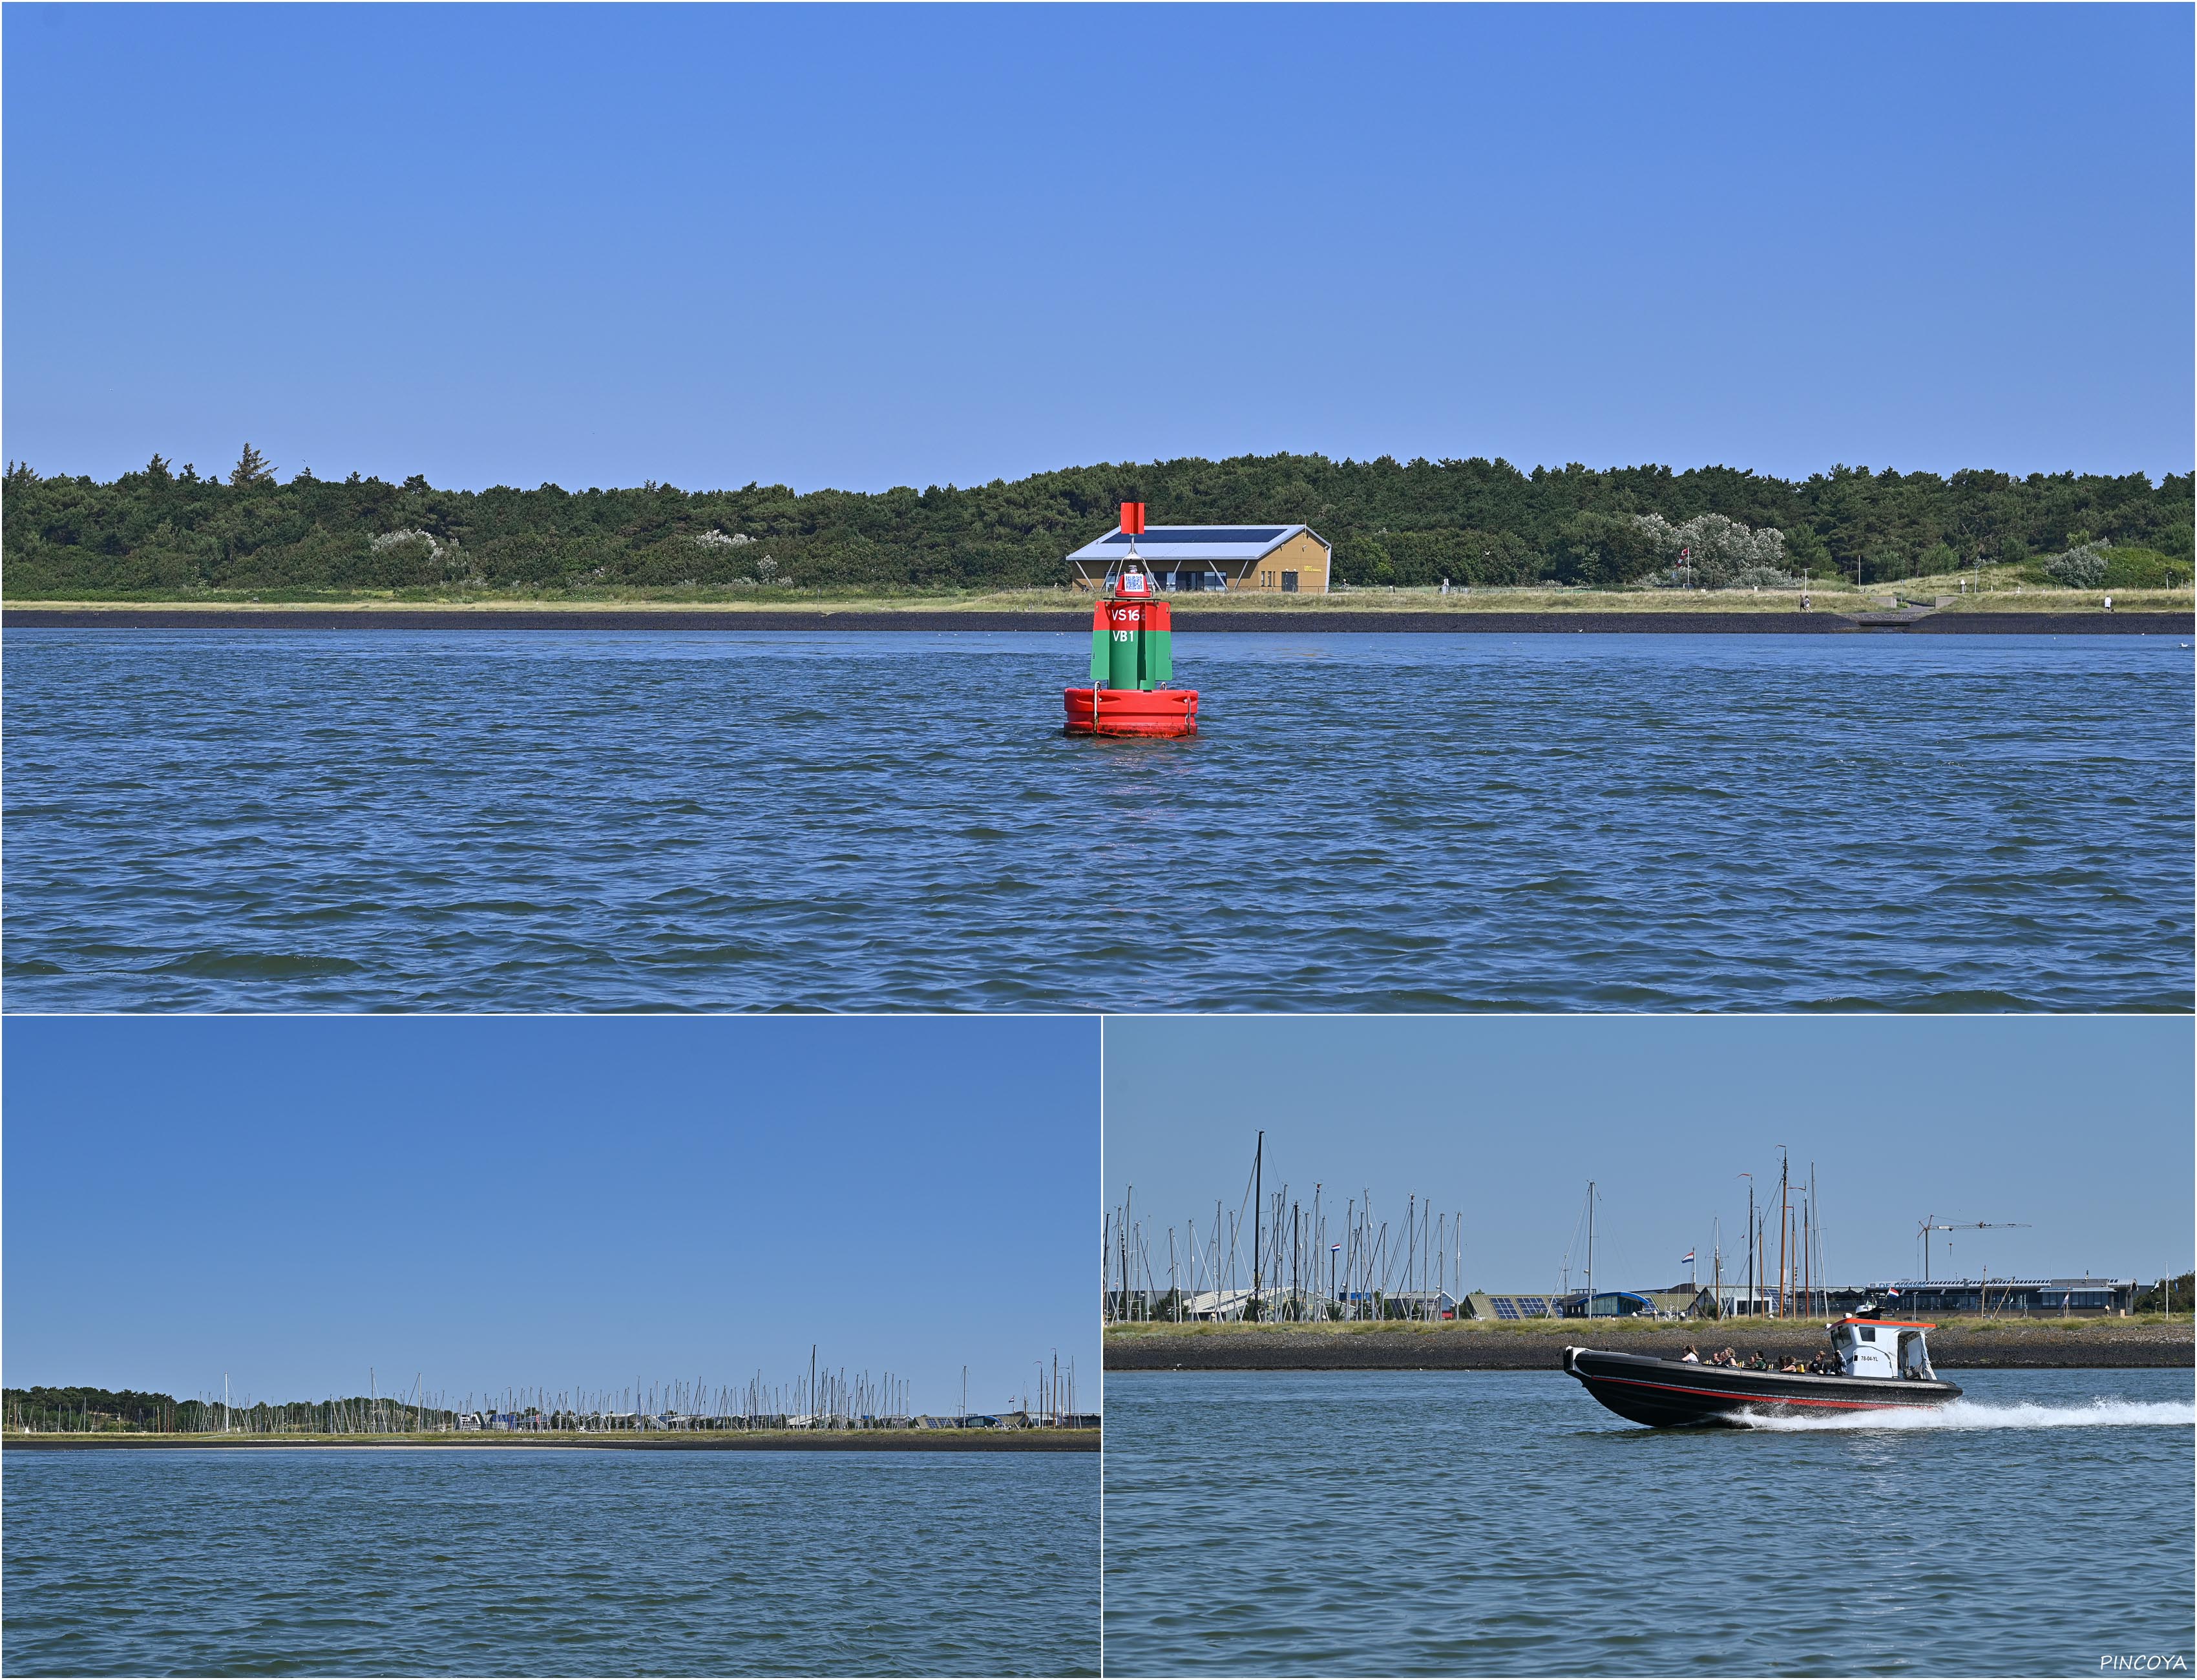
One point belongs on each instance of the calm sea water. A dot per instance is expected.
(391, 1561)
(1504, 1523)
(531, 820)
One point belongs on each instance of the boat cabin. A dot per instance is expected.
(1882, 1347)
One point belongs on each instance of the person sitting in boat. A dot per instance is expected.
(1788, 1365)
(1723, 1356)
(1690, 1357)
(1757, 1361)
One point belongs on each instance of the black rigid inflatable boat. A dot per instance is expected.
(1893, 1373)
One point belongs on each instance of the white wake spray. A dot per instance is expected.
(1965, 1414)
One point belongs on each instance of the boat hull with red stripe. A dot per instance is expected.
(1677, 1394)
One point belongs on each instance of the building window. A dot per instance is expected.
(1289, 584)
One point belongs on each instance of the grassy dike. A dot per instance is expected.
(744, 1440)
(1957, 1343)
(2000, 593)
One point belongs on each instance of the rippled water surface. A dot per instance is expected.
(395, 1562)
(527, 820)
(1359, 1522)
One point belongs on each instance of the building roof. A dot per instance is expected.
(1218, 544)
(1215, 1301)
(1516, 1305)
(1905, 1283)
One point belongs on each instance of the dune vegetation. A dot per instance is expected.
(1497, 534)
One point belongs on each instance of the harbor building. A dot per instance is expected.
(1996, 1297)
(2018, 1297)
(1275, 559)
(2031, 1297)
(1680, 1300)
(1672, 1303)
(1208, 1304)
(1427, 1304)
(1481, 1304)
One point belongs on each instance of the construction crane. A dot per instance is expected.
(1930, 1224)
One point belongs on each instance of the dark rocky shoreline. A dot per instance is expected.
(825, 1440)
(1370, 621)
(1954, 1347)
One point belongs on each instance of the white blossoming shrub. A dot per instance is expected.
(1764, 578)
(1726, 553)
(717, 539)
(412, 558)
(396, 539)
(2082, 567)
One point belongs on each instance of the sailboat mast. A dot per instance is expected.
(1296, 1261)
(1750, 1242)
(1785, 1224)
(1128, 1200)
(1590, 1248)
(1716, 1268)
(1258, 1190)
(1815, 1239)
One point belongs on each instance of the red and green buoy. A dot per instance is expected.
(1132, 656)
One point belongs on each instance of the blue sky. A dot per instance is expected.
(2076, 1126)
(860, 246)
(562, 1202)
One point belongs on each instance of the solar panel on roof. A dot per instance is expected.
(1163, 535)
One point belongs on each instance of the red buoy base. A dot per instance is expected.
(1131, 712)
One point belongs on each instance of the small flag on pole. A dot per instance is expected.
(1891, 1292)
(1689, 1260)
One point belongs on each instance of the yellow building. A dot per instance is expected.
(1282, 560)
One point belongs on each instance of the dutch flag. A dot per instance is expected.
(1689, 1260)
(1889, 1294)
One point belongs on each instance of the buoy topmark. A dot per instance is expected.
(1132, 657)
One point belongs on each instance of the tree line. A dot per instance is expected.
(127, 1412)
(2169, 1295)
(164, 531)
(86, 1409)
